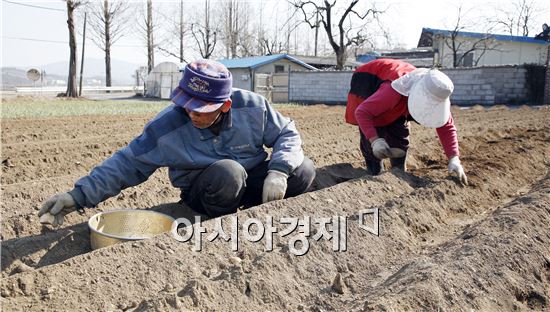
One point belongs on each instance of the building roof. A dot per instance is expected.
(326, 60)
(418, 58)
(257, 61)
(484, 35)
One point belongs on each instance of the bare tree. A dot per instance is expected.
(146, 24)
(274, 38)
(181, 32)
(518, 18)
(270, 46)
(246, 34)
(274, 43)
(463, 48)
(150, 40)
(268, 37)
(177, 30)
(72, 5)
(231, 27)
(205, 35)
(346, 35)
(107, 25)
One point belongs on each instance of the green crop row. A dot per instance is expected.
(44, 107)
(47, 107)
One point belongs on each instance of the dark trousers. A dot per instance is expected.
(396, 134)
(225, 185)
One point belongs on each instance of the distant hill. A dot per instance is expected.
(12, 77)
(56, 73)
(121, 71)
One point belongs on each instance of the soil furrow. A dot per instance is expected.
(434, 232)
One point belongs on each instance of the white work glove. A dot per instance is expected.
(274, 186)
(55, 208)
(381, 150)
(456, 167)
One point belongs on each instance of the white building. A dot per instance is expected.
(489, 50)
(244, 69)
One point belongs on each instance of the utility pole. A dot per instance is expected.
(82, 60)
(181, 31)
(316, 31)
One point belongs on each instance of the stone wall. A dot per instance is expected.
(489, 85)
(327, 87)
(482, 85)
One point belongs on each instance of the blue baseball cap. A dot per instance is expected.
(204, 87)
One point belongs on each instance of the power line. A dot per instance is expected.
(34, 6)
(32, 39)
(66, 42)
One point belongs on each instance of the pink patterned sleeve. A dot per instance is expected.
(448, 138)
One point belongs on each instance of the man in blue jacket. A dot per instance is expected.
(212, 140)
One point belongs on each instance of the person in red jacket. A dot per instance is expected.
(385, 95)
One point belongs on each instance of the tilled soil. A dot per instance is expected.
(442, 246)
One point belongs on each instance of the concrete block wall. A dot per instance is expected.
(330, 87)
(547, 85)
(489, 85)
(480, 85)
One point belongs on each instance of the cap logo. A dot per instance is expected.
(199, 85)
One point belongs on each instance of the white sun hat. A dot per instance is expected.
(428, 91)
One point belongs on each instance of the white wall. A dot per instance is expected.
(241, 78)
(500, 52)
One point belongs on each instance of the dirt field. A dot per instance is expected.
(442, 247)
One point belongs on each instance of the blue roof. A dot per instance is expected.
(365, 58)
(257, 61)
(486, 35)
